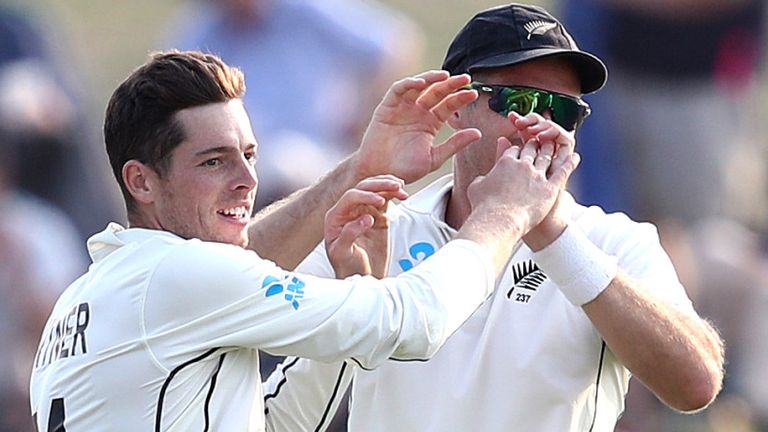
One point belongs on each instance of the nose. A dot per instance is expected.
(245, 175)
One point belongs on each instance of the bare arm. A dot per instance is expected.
(399, 141)
(287, 230)
(677, 355)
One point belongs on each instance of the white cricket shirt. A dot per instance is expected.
(527, 360)
(162, 333)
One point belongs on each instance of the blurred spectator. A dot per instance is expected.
(44, 169)
(40, 254)
(314, 69)
(679, 102)
(676, 125)
(38, 106)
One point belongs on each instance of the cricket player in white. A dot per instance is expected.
(181, 321)
(163, 331)
(527, 358)
(588, 300)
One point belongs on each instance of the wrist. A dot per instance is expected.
(545, 233)
(359, 168)
(579, 268)
(495, 229)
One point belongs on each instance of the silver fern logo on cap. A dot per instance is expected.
(538, 27)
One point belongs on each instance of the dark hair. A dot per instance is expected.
(140, 121)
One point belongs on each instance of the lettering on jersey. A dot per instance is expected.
(65, 337)
(419, 252)
(526, 276)
(291, 287)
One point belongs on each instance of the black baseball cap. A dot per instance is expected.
(517, 33)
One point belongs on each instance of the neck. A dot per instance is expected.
(138, 219)
(459, 208)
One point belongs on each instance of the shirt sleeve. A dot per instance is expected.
(641, 256)
(205, 295)
(317, 263)
(304, 395)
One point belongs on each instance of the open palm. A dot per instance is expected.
(400, 137)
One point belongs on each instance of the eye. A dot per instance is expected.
(250, 156)
(212, 162)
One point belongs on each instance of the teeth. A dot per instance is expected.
(239, 212)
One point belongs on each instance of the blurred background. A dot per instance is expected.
(676, 138)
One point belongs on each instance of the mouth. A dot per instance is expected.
(238, 214)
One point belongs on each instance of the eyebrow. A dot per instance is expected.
(213, 150)
(221, 150)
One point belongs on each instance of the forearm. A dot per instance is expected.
(286, 231)
(497, 230)
(677, 355)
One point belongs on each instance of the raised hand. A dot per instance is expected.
(356, 228)
(524, 183)
(400, 138)
(559, 144)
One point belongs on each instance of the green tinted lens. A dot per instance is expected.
(507, 99)
(566, 111)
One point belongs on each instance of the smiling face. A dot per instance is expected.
(209, 187)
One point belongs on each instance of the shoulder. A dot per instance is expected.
(613, 231)
(206, 273)
(206, 260)
(636, 245)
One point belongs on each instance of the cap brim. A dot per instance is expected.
(591, 70)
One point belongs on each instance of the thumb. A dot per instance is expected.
(352, 230)
(502, 144)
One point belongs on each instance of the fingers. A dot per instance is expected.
(455, 143)
(352, 230)
(386, 185)
(448, 89)
(544, 158)
(542, 161)
(540, 156)
(356, 197)
(563, 172)
(452, 103)
(502, 144)
(370, 196)
(534, 126)
(410, 88)
(529, 152)
(561, 157)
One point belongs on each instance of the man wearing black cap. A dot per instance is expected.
(588, 300)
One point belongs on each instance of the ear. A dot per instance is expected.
(141, 181)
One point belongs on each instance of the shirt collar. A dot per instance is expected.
(115, 236)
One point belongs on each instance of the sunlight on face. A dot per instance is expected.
(209, 189)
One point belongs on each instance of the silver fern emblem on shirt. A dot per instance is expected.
(538, 27)
(526, 275)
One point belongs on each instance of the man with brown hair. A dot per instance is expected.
(164, 329)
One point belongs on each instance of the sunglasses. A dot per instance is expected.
(567, 111)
